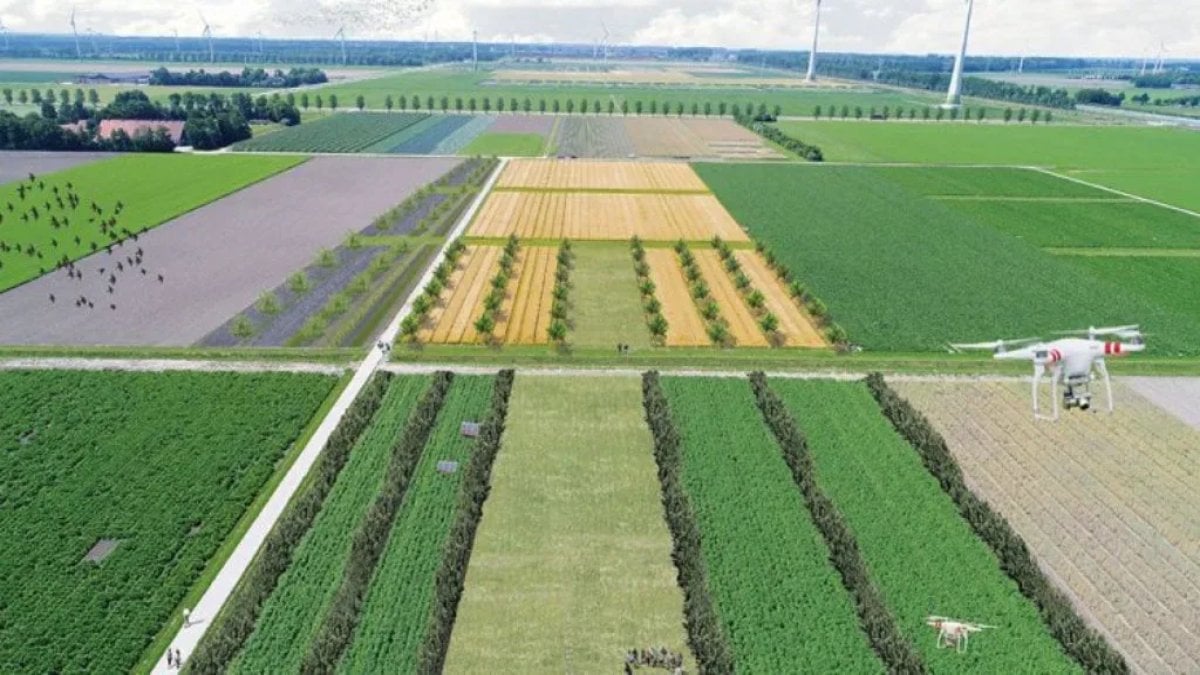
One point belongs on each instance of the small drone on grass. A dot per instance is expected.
(953, 633)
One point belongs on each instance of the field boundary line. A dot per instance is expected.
(840, 376)
(223, 585)
(1127, 195)
(171, 365)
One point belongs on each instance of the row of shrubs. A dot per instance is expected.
(834, 333)
(897, 653)
(560, 306)
(410, 327)
(456, 555)
(718, 327)
(755, 300)
(707, 636)
(655, 320)
(759, 125)
(370, 540)
(236, 621)
(1083, 644)
(486, 323)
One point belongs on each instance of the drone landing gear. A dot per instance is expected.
(1055, 376)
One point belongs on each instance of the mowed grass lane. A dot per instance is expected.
(153, 189)
(164, 463)
(291, 615)
(397, 606)
(781, 601)
(924, 558)
(606, 307)
(506, 145)
(905, 272)
(572, 561)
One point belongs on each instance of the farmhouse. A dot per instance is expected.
(113, 78)
(134, 127)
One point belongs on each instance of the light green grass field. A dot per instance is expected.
(606, 305)
(153, 188)
(506, 145)
(572, 562)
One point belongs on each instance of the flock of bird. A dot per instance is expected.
(36, 206)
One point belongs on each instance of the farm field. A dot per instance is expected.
(606, 309)
(924, 558)
(685, 326)
(592, 137)
(164, 464)
(773, 587)
(17, 165)
(525, 314)
(1104, 503)
(1106, 224)
(931, 275)
(216, 260)
(695, 138)
(795, 324)
(291, 615)
(395, 611)
(1170, 282)
(147, 186)
(427, 136)
(347, 132)
(734, 310)
(592, 216)
(452, 321)
(572, 561)
(495, 144)
(533, 174)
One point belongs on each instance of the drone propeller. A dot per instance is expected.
(1125, 332)
(996, 346)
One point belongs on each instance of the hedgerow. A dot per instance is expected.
(772, 133)
(651, 305)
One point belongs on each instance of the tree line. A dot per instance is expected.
(249, 77)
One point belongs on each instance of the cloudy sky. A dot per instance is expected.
(1058, 27)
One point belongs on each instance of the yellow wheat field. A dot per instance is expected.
(550, 174)
(742, 324)
(452, 321)
(599, 216)
(525, 314)
(685, 326)
(797, 327)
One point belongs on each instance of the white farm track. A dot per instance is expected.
(1108, 504)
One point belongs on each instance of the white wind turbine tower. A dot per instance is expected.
(812, 55)
(178, 48)
(604, 41)
(475, 50)
(75, 32)
(954, 96)
(208, 35)
(341, 35)
(4, 32)
(1160, 66)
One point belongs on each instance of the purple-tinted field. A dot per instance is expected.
(216, 260)
(523, 124)
(16, 165)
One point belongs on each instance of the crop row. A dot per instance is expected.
(165, 464)
(655, 321)
(291, 614)
(335, 133)
(485, 325)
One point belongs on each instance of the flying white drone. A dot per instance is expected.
(953, 633)
(1074, 362)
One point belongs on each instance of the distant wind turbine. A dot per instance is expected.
(812, 55)
(954, 96)
(4, 32)
(604, 41)
(475, 50)
(208, 35)
(178, 48)
(341, 35)
(75, 32)
(1160, 66)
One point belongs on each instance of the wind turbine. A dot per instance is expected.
(75, 32)
(604, 40)
(208, 35)
(954, 96)
(1159, 67)
(259, 36)
(4, 32)
(475, 50)
(178, 49)
(812, 55)
(341, 35)
(92, 37)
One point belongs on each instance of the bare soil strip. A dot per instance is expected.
(1108, 505)
(16, 165)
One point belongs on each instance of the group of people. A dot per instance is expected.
(383, 347)
(623, 349)
(174, 659)
(654, 657)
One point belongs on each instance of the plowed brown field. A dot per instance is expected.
(742, 323)
(526, 312)
(600, 216)
(1109, 505)
(797, 327)
(550, 174)
(461, 303)
(685, 325)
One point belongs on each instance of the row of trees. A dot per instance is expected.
(980, 87)
(1165, 80)
(651, 305)
(410, 327)
(456, 553)
(896, 652)
(237, 619)
(805, 298)
(486, 323)
(929, 113)
(249, 77)
(371, 538)
(63, 96)
(1099, 97)
(1083, 643)
(707, 636)
(759, 125)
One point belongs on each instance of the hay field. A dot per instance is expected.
(452, 321)
(797, 327)
(1107, 503)
(536, 174)
(690, 138)
(604, 216)
(525, 314)
(685, 325)
(742, 324)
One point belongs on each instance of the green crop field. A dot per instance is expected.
(291, 615)
(1112, 224)
(904, 272)
(506, 145)
(572, 560)
(163, 463)
(1175, 183)
(1170, 282)
(397, 606)
(769, 574)
(606, 304)
(152, 188)
(346, 132)
(923, 556)
(990, 182)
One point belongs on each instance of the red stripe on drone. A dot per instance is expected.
(1055, 356)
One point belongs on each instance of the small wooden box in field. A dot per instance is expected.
(470, 429)
(101, 550)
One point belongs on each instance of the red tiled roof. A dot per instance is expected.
(132, 127)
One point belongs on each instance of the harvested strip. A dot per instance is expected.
(529, 316)
(797, 327)
(742, 323)
(463, 296)
(599, 175)
(685, 325)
